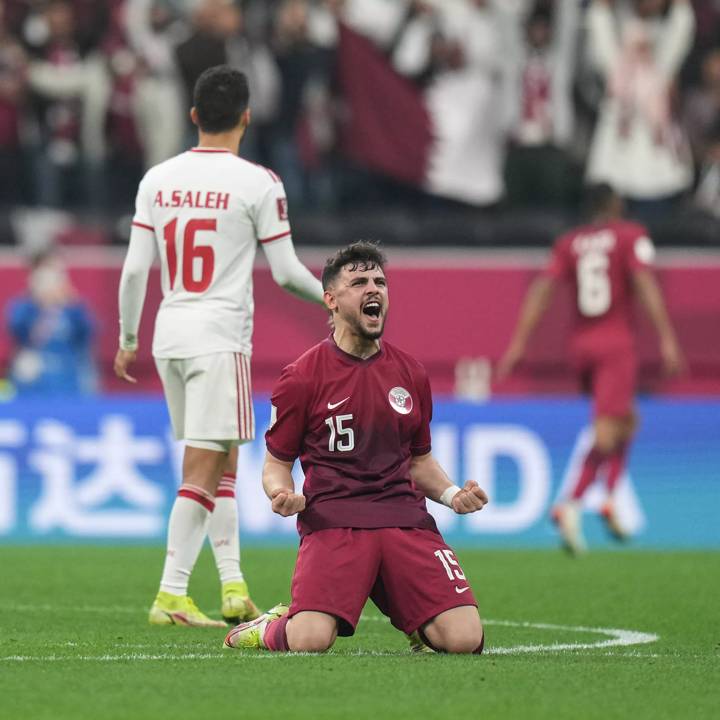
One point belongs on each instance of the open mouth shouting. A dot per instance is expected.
(372, 309)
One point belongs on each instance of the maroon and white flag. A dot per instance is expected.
(444, 138)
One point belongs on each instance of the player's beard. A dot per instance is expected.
(367, 334)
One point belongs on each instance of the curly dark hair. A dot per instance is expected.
(362, 254)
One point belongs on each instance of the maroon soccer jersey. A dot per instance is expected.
(355, 424)
(599, 261)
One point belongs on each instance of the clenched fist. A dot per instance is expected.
(470, 499)
(287, 503)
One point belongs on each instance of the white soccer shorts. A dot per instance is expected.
(209, 397)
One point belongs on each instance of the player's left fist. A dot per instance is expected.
(470, 499)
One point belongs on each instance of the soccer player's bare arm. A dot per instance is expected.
(429, 477)
(536, 302)
(651, 297)
(280, 487)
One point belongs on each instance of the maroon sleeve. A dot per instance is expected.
(288, 415)
(560, 265)
(421, 444)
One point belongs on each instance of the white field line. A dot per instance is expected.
(612, 637)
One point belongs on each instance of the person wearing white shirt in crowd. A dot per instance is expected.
(204, 212)
(638, 147)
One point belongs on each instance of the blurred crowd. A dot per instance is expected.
(547, 93)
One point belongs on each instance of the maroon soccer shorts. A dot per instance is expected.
(409, 573)
(612, 379)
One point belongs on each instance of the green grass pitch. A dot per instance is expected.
(75, 643)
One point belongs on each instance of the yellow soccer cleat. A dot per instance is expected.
(171, 609)
(250, 635)
(416, 643)
(237, 606)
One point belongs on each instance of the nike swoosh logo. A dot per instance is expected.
(459, 591)
(332, 406)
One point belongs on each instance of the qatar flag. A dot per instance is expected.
(445, 138)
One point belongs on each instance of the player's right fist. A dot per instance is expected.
(287, 503)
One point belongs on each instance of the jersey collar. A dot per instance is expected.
(353, 358)
(210, 150)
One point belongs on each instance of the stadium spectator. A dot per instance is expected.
(13, 64)
(125, 156)
(301, 132)
(71, 91)
(217, 38)
(606, 263)
(203, 330)
(539, 170)
(471, 138)
(357, 411)
(702, 107)
(53, 332)
(638, 147)
(707, 194)
(153, 31)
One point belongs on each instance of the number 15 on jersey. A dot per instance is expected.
(342, 437)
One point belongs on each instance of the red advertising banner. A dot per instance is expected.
(453, 310)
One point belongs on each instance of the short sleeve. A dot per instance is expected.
(641, 251)
(143, 205)
(284, 437)
(271, 214)
(560, 265)
(421, 443)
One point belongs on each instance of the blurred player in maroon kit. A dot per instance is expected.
(357, 412)
(607, 262)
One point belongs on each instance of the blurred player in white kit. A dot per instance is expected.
(204, 212)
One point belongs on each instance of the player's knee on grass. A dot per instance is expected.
(458, 630)
(311, 632)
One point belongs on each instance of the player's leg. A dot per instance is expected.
(616, 406)
(334, 574)
(224, 537)
(617, 462)
(568, 514)
(457, 630)
(604, 381)
(221, 396)
(187, 527)
(189, 386)
(311, 631)
(424, 591)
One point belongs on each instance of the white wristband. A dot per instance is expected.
(448, 494)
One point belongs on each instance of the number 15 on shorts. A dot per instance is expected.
(451, 565)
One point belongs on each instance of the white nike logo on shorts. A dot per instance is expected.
(459, 591)
(332, 406)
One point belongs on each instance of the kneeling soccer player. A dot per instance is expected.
(357, 411)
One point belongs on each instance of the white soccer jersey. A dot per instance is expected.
(206, 210)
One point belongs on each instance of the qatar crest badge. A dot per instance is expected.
(400, 400)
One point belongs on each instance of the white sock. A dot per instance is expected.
(224, 532)
(186, 532)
